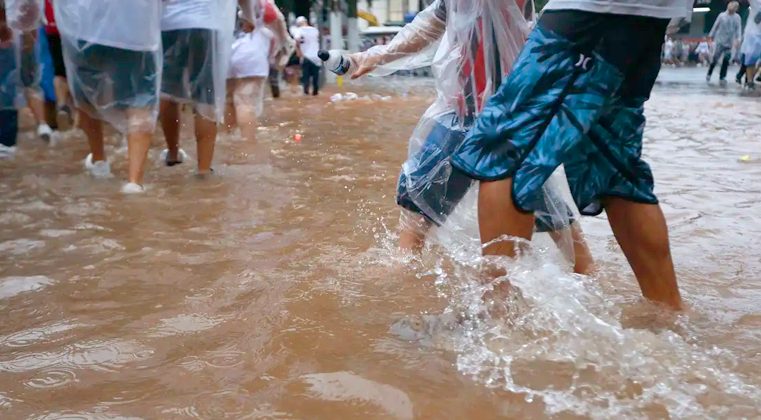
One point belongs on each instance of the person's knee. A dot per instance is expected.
(141, 121)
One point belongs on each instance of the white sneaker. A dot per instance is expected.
(181, 156)
(132, 188)
(44, 132)
(99, 169)
(7, 152)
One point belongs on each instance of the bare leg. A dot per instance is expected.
(249, 95)
(230, 106)
(750, 75)
(170, 124)
(139, 134)
(206, 137)
(641, 231)
(246, 122)
(64, 118)
(36, 104)
(93, 129)
(61, 91)
(245, 108)
(498, 216)
(583, 262)
(412, 231)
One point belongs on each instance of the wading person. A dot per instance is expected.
(308, 44)
(751, 46)
(196, 37)
(21, 23)
(576, 98)
(469, 62)
(249, 69)
(726, 34)
(113, 61)
(64, 115)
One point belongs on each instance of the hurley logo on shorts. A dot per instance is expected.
(584, 62)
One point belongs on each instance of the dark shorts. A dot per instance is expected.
(630, 43)
(56, 53)
(8, 127)
(108, 77)
(189, 63)
(575, 98)
(428, 177)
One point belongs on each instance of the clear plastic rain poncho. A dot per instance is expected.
(19, 67)
(112, 51)
(751, 46)
(198, 36)
(471, 46)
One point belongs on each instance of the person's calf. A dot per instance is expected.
(206, 138)
(499, 220)
(413, 229)
(93, 129)
(139, 134)
(170, 123)
(641, 231)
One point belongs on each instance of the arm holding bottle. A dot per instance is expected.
(413, 47)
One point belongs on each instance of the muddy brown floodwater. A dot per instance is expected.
(273, 290)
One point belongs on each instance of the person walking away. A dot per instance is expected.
(308, 44)
(112, 51)
(284, 46)
(751, 46)
(576, 98)
(64, 115)
(249, 69)
(196, 37)
(726, 33)
(468, 61)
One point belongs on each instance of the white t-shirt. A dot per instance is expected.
(664, 9)
(127, 24)
(250, 54)
(188, 14)
(308, 38)
(703, 48)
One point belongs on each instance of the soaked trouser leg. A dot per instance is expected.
(274, 80)
(725, 65)
(721, 52)
(743, 69)
(315, 79)
(311, 76)
(8, 127)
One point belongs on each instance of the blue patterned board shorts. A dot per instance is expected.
(428, 177)
(576, 98)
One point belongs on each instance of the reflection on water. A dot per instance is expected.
(273, 289)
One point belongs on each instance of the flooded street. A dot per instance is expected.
(273, 289)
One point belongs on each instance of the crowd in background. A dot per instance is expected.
(725, 44)
(77, 64)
